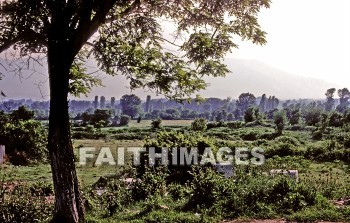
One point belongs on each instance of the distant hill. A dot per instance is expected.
(258, 78)
(247, 76)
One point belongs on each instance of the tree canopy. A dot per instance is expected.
(127, 37)
(124, 37)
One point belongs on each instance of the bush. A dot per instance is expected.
(335, 119)
(296, 128)
(25, 141)
(116, 197)
(124, 120)
(288, 139)
(235, 125)
(294, 118)
(328, 151)
(317, 135)
(176, 140)
(250, 135)
(250, 194)
(100, 118)
(212, 125)
(156, 123)
(281, 149)
(312, 116)
(25, 204)
(152, 183)
(199, 124)
(280, 121)
(251, 114)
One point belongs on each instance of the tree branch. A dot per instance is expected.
(87, 28)
(25, 36)
(8, 43)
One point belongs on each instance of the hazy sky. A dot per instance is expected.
(305, 37)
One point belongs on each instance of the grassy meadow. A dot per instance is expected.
(205, 196)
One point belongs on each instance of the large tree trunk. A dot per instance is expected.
(68, 202)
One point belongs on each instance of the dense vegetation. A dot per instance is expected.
(309, 138)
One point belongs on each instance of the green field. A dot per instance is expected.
(328, 178)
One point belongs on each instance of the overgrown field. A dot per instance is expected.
(195, 193)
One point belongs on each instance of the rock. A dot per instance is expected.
(227, 170)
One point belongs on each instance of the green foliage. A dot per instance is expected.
(315, 214)
(199, 124)
(329, 150)
(330, 102)
(165, 216)
(281, 150)
(251, 114)
(81, 82)
(283, 146)
(235, 125)
(130, 105)
(22, 114)
(212, 125)
(25, 141)
(245, 101)
(335, 119)
(116, 197)
(177, 140)
(124, 120)
(156, 123)
(250, 194)
(170, 114)
(295, 117)
(101, 118)
(312, 116)
(152, 183)
(280, 120)
(250, 135)
(317, 135)
(25, 204)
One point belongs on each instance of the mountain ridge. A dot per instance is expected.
(246, 76)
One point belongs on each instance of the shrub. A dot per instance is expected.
(280, 121)
(235, 125)
(208, 188)
(25, 141)
(251, 114)
(296, 128)
(317, 135)
(315, 214)
(124, 120)
(250, 194)
(294, 118)
(116, 197)
(152, 183)
(173, 140)
(328, 151)
(335, 119)
(212, 125)
(156, 123)
(199, 124)
(25, 204)
(312, 116)
(100, 117)
(281, 150)
(288, 139)
(250, 135)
